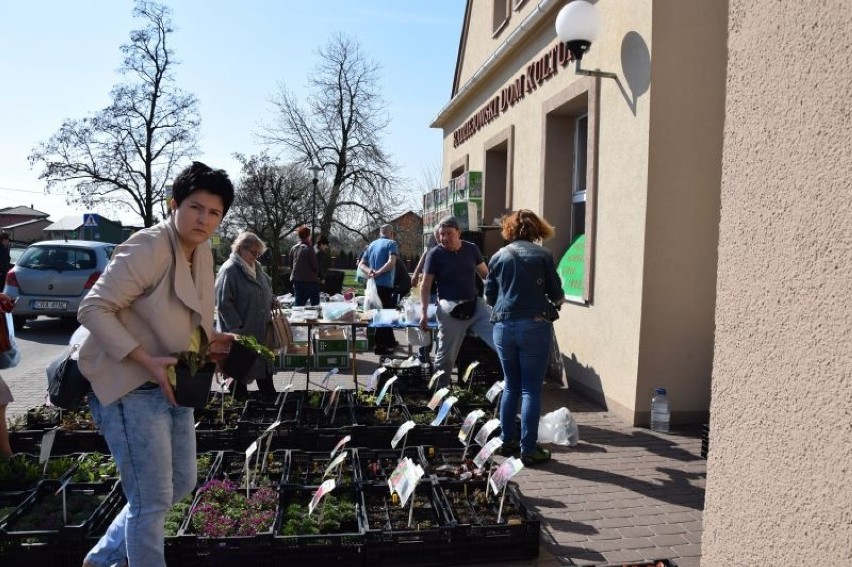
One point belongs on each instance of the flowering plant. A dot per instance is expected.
(222, 510)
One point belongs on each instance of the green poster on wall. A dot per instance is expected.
(571, 267)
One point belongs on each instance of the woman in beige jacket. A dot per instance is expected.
(155, 298)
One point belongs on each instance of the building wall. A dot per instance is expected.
(778, 473)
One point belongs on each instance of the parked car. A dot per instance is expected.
(15, 251)
(52, 277)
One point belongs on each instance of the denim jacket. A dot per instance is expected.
(519, 285)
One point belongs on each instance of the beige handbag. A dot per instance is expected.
(279, 334)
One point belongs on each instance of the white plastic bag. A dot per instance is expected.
(371, 296)
(558, 427)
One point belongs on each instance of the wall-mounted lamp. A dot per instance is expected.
(578, 24)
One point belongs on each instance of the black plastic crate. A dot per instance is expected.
(87, 505)
(454, 464)
(258, 416)
(391, 539)
(338, 539)
(268, 472)
(476, 535)
(306, 468)
(68, 442)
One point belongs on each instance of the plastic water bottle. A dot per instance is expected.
(660, 414)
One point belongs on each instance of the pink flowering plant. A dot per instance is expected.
(223, 510)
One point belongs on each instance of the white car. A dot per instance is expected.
(52, 277)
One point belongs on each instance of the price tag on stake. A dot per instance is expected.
(324, 489)
(385, 388)
(495, 389)
(486, 430)
(400, 433)
(468, 424)
(340, 444)
(444, 411)
(434, 377)
(436, 399)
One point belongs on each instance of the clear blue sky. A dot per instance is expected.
(59, 58)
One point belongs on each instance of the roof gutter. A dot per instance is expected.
(495, 59)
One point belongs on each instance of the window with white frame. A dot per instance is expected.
(578, 185)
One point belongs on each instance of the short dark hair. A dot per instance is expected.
(323, 239)
(4, 235)
(201, 176)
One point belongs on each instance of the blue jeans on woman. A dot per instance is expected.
(523, 347)
(304, 292)
(153, 444)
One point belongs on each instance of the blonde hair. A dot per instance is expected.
(524, 224)
(248, 241)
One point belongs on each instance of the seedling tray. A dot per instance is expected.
(231, 466)
(306, 468)
(376, 465)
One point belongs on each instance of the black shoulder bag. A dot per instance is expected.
(66, 385)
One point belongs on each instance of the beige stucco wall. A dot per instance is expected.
(779, 474)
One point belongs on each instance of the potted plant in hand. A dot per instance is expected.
(192, 377)
(245, 356)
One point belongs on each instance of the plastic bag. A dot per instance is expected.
(558, 427)
(371, 296)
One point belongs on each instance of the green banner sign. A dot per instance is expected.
(572, 268)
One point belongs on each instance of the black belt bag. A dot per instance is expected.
(464, 310)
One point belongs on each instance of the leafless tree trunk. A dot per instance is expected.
(124, 155)
(341, 130)
(271, 201)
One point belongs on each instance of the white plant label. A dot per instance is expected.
(401, 432)
(507, 470)
(469, 370)
(434, 377)
(374, 378)
(335, 463)
(437, 397)
(468, 424)
(444, 411)
(485, 453)
(340, 444)
(324, 489)
(385, 388)
(495, 389)
(486, 430)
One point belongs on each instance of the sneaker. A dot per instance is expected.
(537, 457)
(509, 449)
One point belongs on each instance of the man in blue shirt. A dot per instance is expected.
(378, 263)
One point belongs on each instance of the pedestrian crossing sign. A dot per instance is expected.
(90, 219)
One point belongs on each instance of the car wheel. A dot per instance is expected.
(18, 321)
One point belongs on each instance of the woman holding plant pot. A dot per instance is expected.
(155, 298)
(244, 299)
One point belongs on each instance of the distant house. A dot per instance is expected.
(23, 224)
(73, 227)
(409, 235)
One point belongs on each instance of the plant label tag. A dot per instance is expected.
(324, 489)
(486, 430)
(374, 378)
(401, 432)
(287, 388)
(469, 370)
(46, 445)
(335, 463)
(468, 424)
(404, 479)
(340, 444)
(328, 375)
(273, 426)
(251, 449)
(384, 390)
(398, 474)
(444, 411)
(64, 484)
(332, 399)
(434, 377)
(437, 397)
(485, 453)
(495, 389)
(507, 470)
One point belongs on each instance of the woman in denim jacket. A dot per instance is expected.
(523, 288)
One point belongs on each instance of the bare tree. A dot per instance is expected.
(271, 201)
(341, 130)
(125, 154)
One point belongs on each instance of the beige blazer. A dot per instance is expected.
(146, 296)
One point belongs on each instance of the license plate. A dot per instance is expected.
(61, 305)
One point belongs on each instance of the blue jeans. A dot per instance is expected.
(306, 291)
(153, 445)
(523, 347)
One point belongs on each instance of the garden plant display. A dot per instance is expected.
(222, 509)
(337, 515)
(23, 471)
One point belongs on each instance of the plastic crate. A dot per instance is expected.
(426, 540)
(258, 416)
(306, 468)
(231, 466)
(87, 504)
(327, 361)
(447, 464)
(477, 536)
(343, 545)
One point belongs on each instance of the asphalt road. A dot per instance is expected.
(40, 341)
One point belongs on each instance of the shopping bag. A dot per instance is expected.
(10, 354)
(66, 385)
(371, 296)
(279, 334)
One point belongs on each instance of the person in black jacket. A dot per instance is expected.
(5, 257)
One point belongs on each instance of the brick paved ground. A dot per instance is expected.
(622, 494)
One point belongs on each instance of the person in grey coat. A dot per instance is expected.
(244, 299)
